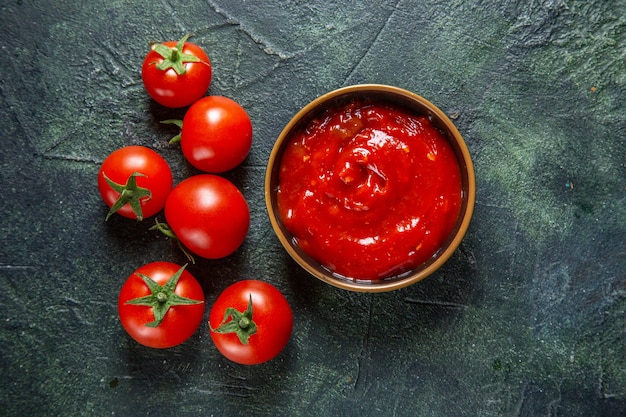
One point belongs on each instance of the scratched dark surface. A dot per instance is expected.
(527, 319)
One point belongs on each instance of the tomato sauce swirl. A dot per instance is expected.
(368, 190)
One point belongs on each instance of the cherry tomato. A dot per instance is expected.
(251, 322)
(216, 134)
(208, 214)
(134, 182)
(176, 74)
(161, 305)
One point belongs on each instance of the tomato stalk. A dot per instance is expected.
(238, 322)
(168, 232)
(162, 297)
(174, 57)
(177, 122)
(130, 193)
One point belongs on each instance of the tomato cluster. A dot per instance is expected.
(161, 304)
(207, 214)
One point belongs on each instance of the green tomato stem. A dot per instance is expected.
(130, 193)
(177, 122)
(162, 297)
(244, 322)
(174, 57)
(238, 322)
(168, 232)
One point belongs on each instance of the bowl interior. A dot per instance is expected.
(380, 94)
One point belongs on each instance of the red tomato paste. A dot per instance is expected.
(368, 190)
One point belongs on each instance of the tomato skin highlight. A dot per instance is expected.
(179, 323)
(271, 313)
(216, 134)
(156, 176)
(209, 215)
(170, 89)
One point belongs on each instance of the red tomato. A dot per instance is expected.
(175, 74)
(209, 215)
(216, 134)
(161, 305)
(139, 181)
(251, 322)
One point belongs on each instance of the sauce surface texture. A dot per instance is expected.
(369, 190)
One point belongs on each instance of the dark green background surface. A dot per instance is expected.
(528, 317)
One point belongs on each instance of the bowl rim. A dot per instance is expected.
(414, 275)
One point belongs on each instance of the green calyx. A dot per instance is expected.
(174, 57)
(168, 232)
(238, 322)
(162, 297)
(130, 193)
(177, 122)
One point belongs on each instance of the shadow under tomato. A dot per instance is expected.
(162, 368)
(261, 386)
